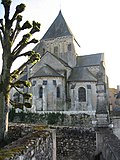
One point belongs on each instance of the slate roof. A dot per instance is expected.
(24, 77)
(46, 71)
(80, 74)
(58, 28)
(62, 61)
(90, 60)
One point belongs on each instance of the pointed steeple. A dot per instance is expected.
(59, 28)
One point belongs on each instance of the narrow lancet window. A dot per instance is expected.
(58, 92)
(41, 92)
(82, 94)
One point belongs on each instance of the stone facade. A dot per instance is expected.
(62, 80)
(59, 46)
(75, 143)
(48, 102)
(34, 143)
(90, 103)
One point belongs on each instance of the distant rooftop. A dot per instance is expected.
(90, 60)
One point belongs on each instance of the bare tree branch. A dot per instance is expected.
(1, 39)
(29, 53)
(16, 105)
(15, 33)
(24, 42)
(17, 29)
(2, 26)
(6, 4)
(35, 57)
(18, 90)
(15, 73)
(19, 8)
(21, 45)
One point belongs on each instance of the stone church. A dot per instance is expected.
(62, 80)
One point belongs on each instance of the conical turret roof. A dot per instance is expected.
(59, 28)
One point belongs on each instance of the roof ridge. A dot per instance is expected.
(91, 73)
(90, 54)
(40, 72)
(52, 69)
(61, 60)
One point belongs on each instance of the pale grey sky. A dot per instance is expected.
(94, 23)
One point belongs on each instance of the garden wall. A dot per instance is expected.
(75, 143)
(53, 118)
(36, 143)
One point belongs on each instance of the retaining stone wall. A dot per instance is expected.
(35, 144)
(38, 143)
(111, 147)
(75, 144)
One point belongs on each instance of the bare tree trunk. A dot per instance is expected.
(3, 118)
(8, 34)
(4, 98)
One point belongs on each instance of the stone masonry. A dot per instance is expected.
(75, 144)
(36, 143)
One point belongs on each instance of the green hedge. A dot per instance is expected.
(49, 118)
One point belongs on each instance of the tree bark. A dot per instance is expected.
(3, 118)
(5, 89)
(4, 102)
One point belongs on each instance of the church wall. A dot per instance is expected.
(51, 61)
(95, 69)
(49, 100)
(90, 103)
(62, 51)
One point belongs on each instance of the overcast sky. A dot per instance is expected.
(94, 23)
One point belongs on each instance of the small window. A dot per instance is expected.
(54, 82)
(33, 83)
(45, 82)
(43, 50)
(41, 92)
(88, 86)
(82, 94)
(58, 92)
(16, 97)
(55, 49)
(69, 47)
(73, 86)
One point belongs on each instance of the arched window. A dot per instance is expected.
(56, 49)
(41, 92)
(43, 50)
(82, 94)
(16, 97)
(58, 92)
(69, 47)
